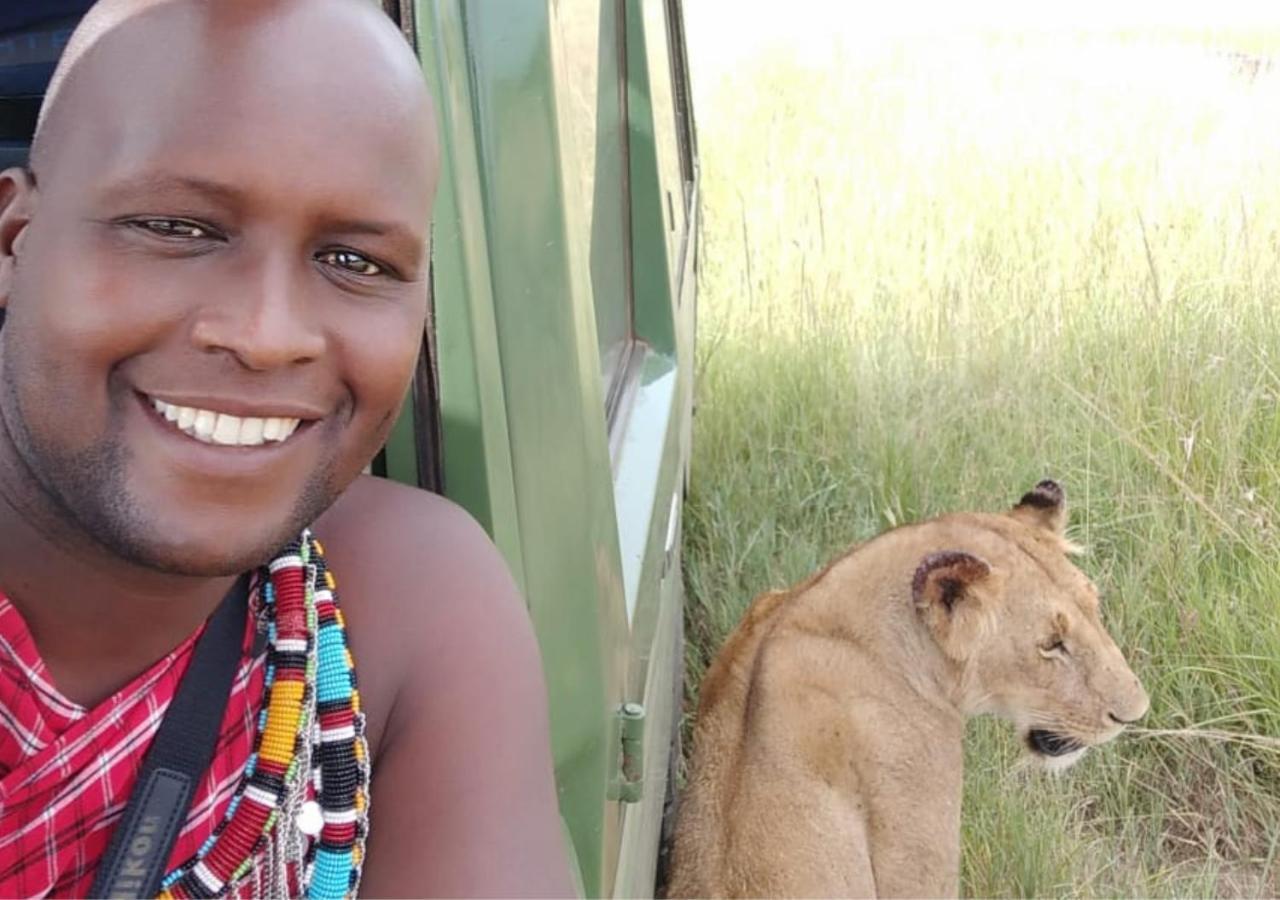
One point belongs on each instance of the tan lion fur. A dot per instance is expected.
(828, 745)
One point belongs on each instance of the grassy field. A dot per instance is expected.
(937, 270)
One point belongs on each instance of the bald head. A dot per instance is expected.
(100, 20)
(210, 26)
(231, 211)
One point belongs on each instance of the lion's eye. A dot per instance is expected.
(1053, 647)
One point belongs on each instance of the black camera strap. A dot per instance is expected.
(183, 747)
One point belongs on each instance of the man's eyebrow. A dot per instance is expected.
(394, 230)
(162, 183)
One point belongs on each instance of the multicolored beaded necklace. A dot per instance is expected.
(310, 740)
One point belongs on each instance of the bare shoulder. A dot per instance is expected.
(418, 581)
(464, 800)
(387, 518)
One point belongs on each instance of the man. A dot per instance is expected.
(214, 284)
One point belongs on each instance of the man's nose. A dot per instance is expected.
(264, 319)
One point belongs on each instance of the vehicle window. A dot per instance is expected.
(591, 71)
(669, 125)
(680, 98)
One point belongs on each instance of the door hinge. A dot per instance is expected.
(628, 784)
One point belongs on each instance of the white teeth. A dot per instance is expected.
(204, 423)
(251, 431)
(276, 429)
(283, 428)
(225, 429)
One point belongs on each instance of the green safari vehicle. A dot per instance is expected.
(554, 394)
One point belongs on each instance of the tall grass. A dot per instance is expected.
(937, 270)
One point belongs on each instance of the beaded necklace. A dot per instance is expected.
(310, 739)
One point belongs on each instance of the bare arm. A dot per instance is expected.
(464, 799)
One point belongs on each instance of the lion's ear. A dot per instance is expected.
(953, 593)
(1044, 506)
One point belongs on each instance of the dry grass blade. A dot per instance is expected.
(1257, 741)
(1160, 465)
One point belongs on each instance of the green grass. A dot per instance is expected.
(940, 270)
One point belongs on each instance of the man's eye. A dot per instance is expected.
(351, 261)
(173, 228)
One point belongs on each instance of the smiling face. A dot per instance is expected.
(216, 294)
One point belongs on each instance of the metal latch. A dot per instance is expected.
(628, 786)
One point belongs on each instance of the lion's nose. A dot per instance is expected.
(1133, 707)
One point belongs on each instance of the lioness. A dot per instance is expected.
(828, 746)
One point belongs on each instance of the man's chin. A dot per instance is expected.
(208, 540)
(198, 546)
(203, 558)
(155, 523)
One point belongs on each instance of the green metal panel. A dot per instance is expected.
(501, 123)
(642, 822)
(555, 411)
(658, 218)
(521, 269)
(589, 64)
(650, 470)
(476, 446)
(650, 467)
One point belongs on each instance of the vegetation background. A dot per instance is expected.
(941, 262)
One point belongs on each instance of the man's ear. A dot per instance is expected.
(17, 201)
(1044, 506)
(955, 594)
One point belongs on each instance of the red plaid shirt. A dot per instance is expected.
(66, 771)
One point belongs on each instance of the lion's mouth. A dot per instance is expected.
(1048, 743)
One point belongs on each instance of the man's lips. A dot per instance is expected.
(215, 424)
